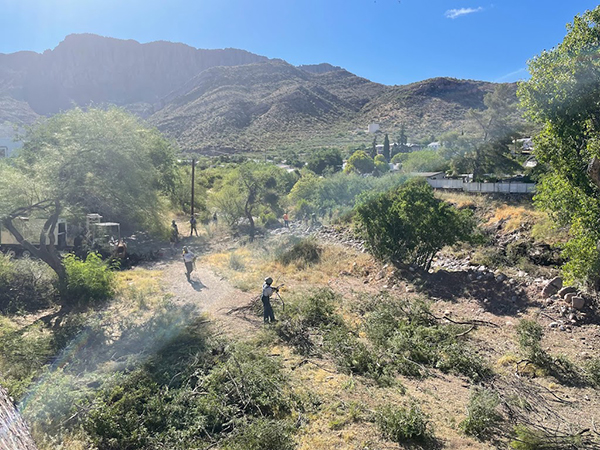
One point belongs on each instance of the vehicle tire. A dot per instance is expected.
(11, 253)
(26, 254)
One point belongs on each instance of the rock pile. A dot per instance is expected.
(567, 301)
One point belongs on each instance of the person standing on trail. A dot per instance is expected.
(193, 226)
(174, 234)
(267, 291)
(286, 220)
(188, 258)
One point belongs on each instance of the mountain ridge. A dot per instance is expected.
(227, 99)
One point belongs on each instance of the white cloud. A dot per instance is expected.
(517, 75)
(454, 13)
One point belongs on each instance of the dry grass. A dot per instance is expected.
(257, 263)
(515, 217)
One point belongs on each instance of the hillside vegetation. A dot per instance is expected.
(224, 101)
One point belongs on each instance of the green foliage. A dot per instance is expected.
(592, 368)
(316, 311)
(25, 285)
(421, 161)
(194, 392)
(23, 354)
(386, 149)
(336, 193)
(303, 253)
(360, 163)
(529, 334)
(562, 97)
(401, 425)
(89, 282)
(407, 333)
(409, 225)
(262, 434)
(104, 161)
(482, 415)
(325, 161)
(527, 438)
(250, 190)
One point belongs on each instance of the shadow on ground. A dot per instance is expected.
(496, 297)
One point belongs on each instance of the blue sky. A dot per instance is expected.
(387, 41)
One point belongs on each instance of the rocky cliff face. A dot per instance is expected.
(88, 69)
(14, 434)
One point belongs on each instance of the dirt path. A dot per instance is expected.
(209, 293)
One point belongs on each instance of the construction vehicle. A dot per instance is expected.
(105, 236)
(30, 229)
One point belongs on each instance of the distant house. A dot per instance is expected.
(523, 146)
(373, 128)
(434, 145)
(379, 148)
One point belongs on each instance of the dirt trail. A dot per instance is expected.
(209, 293)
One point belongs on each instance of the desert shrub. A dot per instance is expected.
(536, 439)
(350, 354)
(409, 335)
(56, 403)
(400, 424)
(303, 253)
(317, 310)
(269, 220)
(489, 256)
(529, 335)
(88, 282)
(23, 354)
(194, 390)
(262, 434)
(236, 262)
(592, 369)
(482, 415)
(25, 284)
(410, 225)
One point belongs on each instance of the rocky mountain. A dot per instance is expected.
(228, 100)
(88, 69)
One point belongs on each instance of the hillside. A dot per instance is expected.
(359, 346)
(229, 100)
(88, 69)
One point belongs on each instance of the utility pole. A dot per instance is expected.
(193, 182)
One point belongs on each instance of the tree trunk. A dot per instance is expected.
(248, 213)
(47, 251)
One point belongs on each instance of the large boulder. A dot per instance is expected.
(553, 286)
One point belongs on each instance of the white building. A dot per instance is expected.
(434, 145)
(373, 127)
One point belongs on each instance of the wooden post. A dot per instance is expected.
(193, 182)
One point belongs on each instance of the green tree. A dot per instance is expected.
(386, 149)
(373, 152)
(422, 161)
(327, 160)
(402, 141)
(381, 165)
(94, 161)
(360, 163)
(498, 126)
(409, 225)
(562, 95)
(248, 190)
